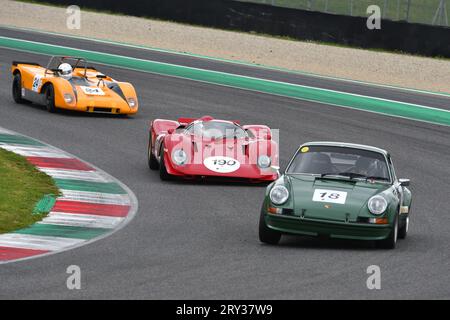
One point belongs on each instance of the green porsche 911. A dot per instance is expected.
(338, 190)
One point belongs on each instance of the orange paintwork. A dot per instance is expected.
(82, 101)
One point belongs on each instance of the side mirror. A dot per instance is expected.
(268, 136)
(276, 169)
(171, 130)
(404, 182)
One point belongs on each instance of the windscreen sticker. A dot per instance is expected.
(304, 149)
(37, 82)
(333, 196)
(93, 91)
(221, 164)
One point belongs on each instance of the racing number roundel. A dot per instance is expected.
(221, 164)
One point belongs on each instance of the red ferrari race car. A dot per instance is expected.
(207, 147)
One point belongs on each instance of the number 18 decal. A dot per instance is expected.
(322, 195)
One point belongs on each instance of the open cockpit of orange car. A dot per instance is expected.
(82, 89)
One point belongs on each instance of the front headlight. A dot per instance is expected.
(377, 205)
(279, 195)
(131, 102)
(264, 161)
(68, 98)
(179, 157)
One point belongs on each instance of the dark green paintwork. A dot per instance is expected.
(338, 220)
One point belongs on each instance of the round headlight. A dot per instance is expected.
(68, 98)
(179, 157)
(264, 161)
(131, 102)
(377, 205)
(279, 194)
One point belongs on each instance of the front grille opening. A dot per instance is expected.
(98, 109)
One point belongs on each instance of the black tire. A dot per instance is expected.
(267, 235)
(391, 241)
(50, 98)
(163, 174)
(403, 230)
(152, 161)
(17, 89)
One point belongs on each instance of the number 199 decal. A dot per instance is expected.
(221, 164)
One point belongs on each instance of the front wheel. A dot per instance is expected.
(50, 99)
(152, 161)
(391, 241)
(17, 89)
(267, 235)
(403, 230)
(163, 174)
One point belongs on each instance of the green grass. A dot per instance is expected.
(421, 11)
(21, 187)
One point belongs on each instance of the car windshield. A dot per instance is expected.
(339, 161)
(56, 61)
(216, 130)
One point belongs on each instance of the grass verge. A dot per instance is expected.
(21, 187)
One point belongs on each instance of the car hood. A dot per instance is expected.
(93, 92)
(331, 199)
(239, 149)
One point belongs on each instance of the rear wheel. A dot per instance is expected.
(152, 162)
(50, 98)
(17, 89)
(391, 241)
(163, 174)
(266, 234)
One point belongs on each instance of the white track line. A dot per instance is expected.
(26, 241)
(76, 175)
(81, 220)
(44, 152)
(94, 197)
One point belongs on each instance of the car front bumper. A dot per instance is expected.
(100, 107)
(332, 229)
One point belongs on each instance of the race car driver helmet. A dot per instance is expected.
(65, 71)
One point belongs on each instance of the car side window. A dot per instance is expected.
(391, 166)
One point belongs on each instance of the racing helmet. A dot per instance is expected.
(65, 71)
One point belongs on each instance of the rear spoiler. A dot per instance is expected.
(186, 121)
(16, 63)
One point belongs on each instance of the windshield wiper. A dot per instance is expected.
(376, 178)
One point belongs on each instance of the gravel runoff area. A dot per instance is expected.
(357, 64)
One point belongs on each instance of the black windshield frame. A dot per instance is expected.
(334, 149)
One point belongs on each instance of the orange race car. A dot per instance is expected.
(69, 83)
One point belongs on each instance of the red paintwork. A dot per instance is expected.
(77, 207)
(244, 150)
(56, 163)
(7, 253)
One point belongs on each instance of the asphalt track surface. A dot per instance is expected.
(200, 240)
